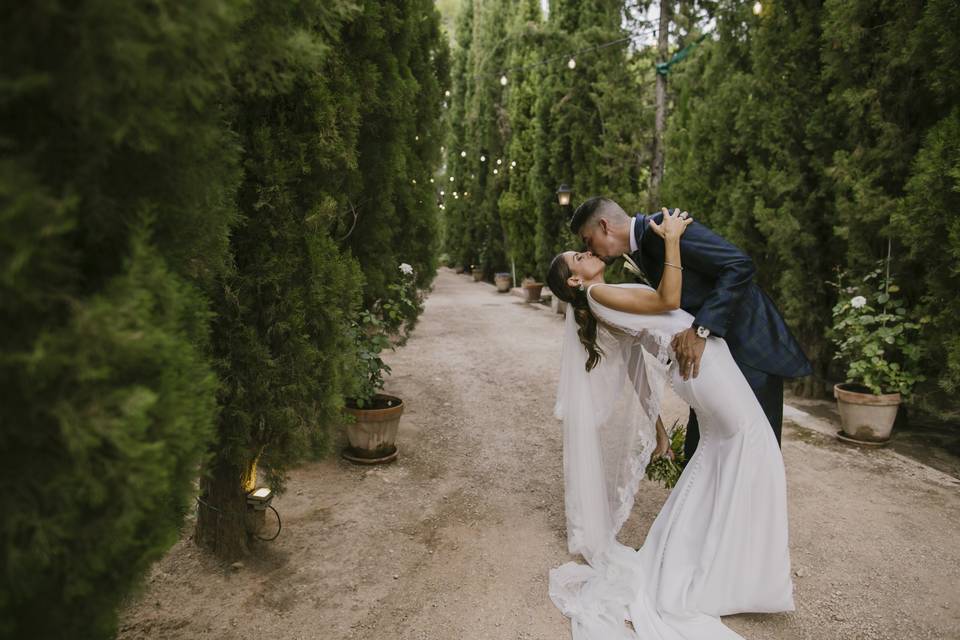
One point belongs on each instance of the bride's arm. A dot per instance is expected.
(667, 295)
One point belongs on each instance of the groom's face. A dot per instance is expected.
(599, 239)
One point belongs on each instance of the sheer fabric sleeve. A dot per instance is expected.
(609, 423)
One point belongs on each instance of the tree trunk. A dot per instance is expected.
(221, 516)
(660, 124)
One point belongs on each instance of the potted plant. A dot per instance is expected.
(503, 281)
(532, 288)
(874, 340)
(376, 415)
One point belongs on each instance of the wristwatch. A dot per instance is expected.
(703, 332)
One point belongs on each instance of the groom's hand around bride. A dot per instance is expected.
(689, 349)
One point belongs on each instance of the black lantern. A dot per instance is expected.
(563, 195)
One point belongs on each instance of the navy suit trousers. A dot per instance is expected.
(769, 391)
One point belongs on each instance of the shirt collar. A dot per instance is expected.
(633, 235)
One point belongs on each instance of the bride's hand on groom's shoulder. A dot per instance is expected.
(673, 224)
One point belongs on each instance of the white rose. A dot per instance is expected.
(405, 268)
(858, 302)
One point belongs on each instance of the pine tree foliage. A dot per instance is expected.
(181, 266)
(117, 181)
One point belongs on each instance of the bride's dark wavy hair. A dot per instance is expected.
(557, 276)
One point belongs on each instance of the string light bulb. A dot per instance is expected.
(503, 81)
(431, 180)
(442, 192)
(483, 158)
(451, 178)
(495, 172)
(414, 181)
(757, 8)
(446, 93)
(572, 63)
(513, 164)
(499, 161)
(463, 154)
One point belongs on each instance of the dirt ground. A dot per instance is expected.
(454, 539)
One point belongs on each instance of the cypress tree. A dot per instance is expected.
(282, 333)
(117, 178)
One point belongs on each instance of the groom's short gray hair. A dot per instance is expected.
(593, 208)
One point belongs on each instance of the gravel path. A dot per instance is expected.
(455, 538)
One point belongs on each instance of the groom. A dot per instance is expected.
(718, 290)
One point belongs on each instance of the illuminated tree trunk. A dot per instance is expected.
(660, 124)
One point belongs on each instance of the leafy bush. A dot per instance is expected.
(875, 337)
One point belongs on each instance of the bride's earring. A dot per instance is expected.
(582, 288)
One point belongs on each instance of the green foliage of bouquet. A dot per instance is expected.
(667, 470)
(874, 336)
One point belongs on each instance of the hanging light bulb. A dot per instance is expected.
(503, 81)
(499, 161)
(451, 178)
(442, 192)
(572, 63)
(456, 195)
(414, 181)
(466, 193)
(431, 180)
(416, 137)
(495, 172)
(463, 154)
(442, 207)
(757, 8)
(483, 158)
(472, 176)
(446, 93)
(513, 164)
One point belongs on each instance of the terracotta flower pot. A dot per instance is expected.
(373, 434)
(503, 282)
(866, 416)
(533, 289)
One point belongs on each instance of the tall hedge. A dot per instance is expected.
(117, 179)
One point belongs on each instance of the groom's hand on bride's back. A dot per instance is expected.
(689, 349)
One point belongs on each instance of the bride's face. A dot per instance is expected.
(584, 266)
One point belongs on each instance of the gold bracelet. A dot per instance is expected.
(670, 264)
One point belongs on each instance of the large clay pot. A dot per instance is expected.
(503, 282)
(374, 433)
(866, 417)
(533, 289)
(477, 275)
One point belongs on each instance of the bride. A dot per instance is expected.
(719, 545)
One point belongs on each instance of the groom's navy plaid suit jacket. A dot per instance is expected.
(718, 289)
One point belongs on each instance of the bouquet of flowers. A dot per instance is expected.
(667, 470)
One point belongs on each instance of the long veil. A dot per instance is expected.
(609, 433)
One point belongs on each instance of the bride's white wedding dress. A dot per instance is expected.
(719, 544)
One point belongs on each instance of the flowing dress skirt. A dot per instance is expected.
(718, 546)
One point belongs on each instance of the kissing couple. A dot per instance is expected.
(701, 325)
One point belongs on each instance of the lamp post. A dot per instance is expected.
(563, 195)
